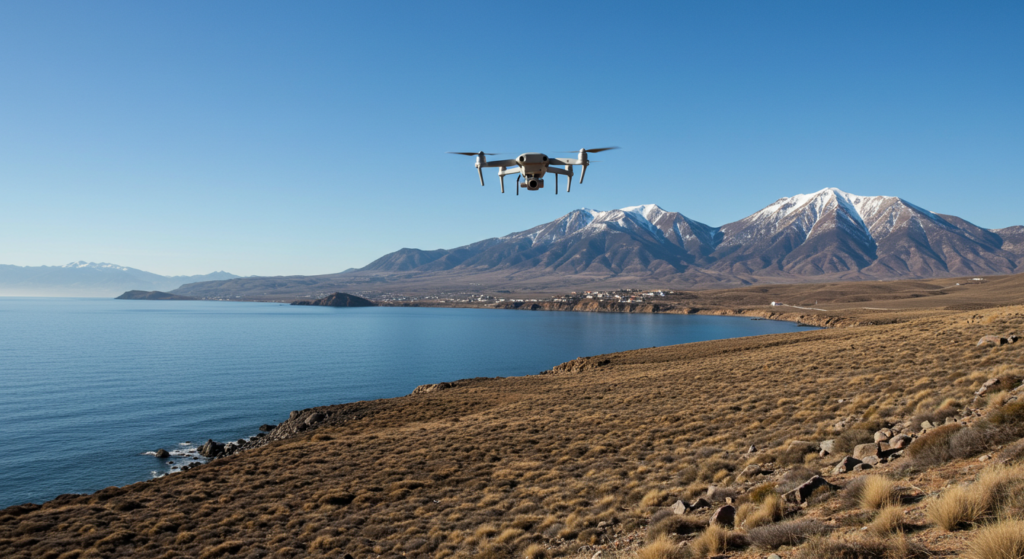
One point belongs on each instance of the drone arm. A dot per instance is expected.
(555, 171)
(502, 163)
(510, 171)
(564, 161)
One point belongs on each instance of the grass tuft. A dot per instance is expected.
(958, 507)
(1003, 540)
(878, 492)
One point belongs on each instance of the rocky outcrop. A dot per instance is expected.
(578, 365)
(428, 388)
(338, 300)
(153, 296)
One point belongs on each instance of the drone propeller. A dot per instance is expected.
(471, 153)
(595, 150)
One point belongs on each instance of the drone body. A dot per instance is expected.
(531, 168)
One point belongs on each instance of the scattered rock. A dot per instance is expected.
(315, 418)
(700, 503)
(862, 451)
(752, 449)
(266, 428)
(988, 384)
(679, 507)
(900, 441)
(861, 467)
(926, 425)
(883, 435)
(161, 453)
(294, 415)
(845, 465)
(724, 516)
(803, 492)
(211, 449)
(428, 388)
(992, 340)
(751, 470)
(872, 460)
(774, 556)
(827, 445)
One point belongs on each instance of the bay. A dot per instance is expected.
(89, 386)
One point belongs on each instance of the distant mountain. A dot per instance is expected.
(89, 279)
(827, 235)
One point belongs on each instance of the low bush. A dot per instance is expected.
(861, 548)
(1011, 415)
(674, 525)
(850, 438)
(957, 507)
(888, 521)
(770, 510)
(1003, 540)
(933, 448)
(762, 491)
(793, 532)
(878, 492)
(715, 541)
(661, 548)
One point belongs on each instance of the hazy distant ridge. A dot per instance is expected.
(89, 279)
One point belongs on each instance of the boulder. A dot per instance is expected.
(294, 415)
(211, 449)
(827, 445)
(161, 453)
(926, 425)
(804, 491)
(266, 428)
(864, 450)
(883, 435)
(679, 507)
(861, 467)
(315, 418)
(724, 516)
(900, 441)
(751, 471)
(428, 388)
(845, 465)
(991, 340)
(872, 460)
(700, 503)
(988, 384)
(752, 449)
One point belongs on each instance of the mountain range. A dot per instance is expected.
(825, 236)
(89, 279)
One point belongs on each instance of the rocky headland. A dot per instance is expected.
(153, 296)
(338, 300)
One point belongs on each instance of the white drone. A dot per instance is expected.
(532, 167)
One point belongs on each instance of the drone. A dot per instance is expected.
(530, 168)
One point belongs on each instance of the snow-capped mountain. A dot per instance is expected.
(827, 235)
(89, 279)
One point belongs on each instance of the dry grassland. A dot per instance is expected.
(563, 464)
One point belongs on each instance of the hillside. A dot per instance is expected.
(594, 454)
(826, 236)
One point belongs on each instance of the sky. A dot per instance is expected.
(272, 138)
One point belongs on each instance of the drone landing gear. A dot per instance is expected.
(517, 184)
(556, 185)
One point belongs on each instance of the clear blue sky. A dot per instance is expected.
(279, 138)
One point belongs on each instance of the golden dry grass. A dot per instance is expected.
(1002, 540)
(957, 507)
(492, 467)
(878, 492)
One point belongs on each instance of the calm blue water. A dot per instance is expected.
(88, 385)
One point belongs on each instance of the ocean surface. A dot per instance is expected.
(88, 387)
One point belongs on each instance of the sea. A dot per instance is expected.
(90, 388)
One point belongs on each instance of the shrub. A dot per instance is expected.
(793, 532)
(712, 542)
(888, 521)
(956, 508)
(933, 448)
(771, 510)
(877, 492)
(654, 497)
(1011, 414)
(661, 548)
(1012, 453)
(535, 551)
(1004, 540)
(861, 548)
(762, 491)
(850, 438)
(673, 525)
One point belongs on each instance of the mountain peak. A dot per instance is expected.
(84, 264)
